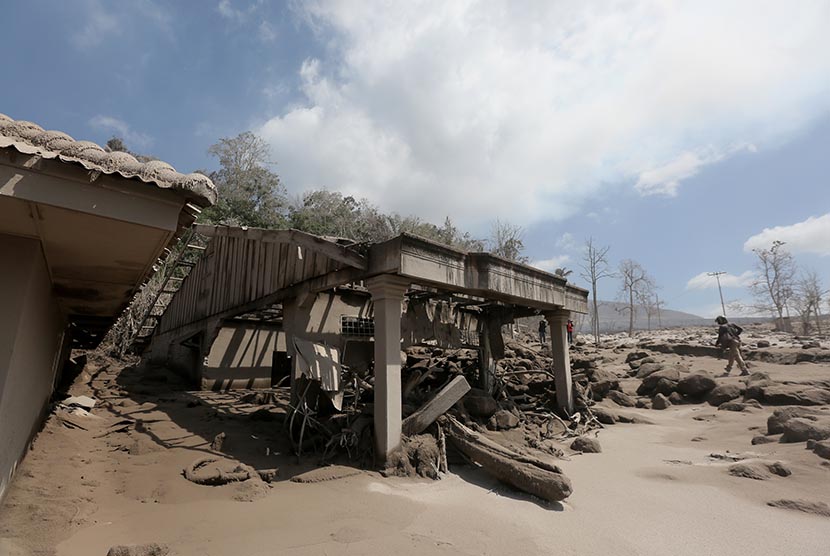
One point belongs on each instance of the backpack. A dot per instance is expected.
(735, 330)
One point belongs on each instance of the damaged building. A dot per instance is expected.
(80, 231)
(262, 305)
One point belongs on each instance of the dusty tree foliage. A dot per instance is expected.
(635, 284)
(249, 193)
(774, 287)
(595, 267)
(507, 241)
(329, 213)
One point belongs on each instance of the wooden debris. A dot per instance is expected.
(525, 473)
(437, 406)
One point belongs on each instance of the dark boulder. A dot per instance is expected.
(621, 398)
(761, 439)
(669, 378)
(604, 416)
(749, 471)
(660, 402)
(723, 393)
(821, 448)
(586, 445)
(647, 369)
(779, 469)
(799, 430)
(480, 404)
(696, 384)
(775, 422)
(636, 356)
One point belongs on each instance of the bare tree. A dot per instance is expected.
(809, 295)
(635, 282)
(775, 286)
(594, 268)
(649, 301)
(507, 241)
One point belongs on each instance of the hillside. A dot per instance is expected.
(613, 317)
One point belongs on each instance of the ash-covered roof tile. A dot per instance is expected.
(29, 138)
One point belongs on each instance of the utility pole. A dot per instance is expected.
(717, 277)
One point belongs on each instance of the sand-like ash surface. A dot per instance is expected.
(687, 479)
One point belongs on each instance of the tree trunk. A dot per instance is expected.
(631, 312)
(596, 313)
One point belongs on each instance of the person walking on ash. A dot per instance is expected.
(729, 339)
(543, 328)
(570, 328)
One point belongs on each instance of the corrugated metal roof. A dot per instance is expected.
(29, 138)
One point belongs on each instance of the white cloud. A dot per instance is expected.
(133, 139)
(810, 236)
(550, 265)
(104, 22)
(527, 109)
(266, 32)
(99, 24)
(665, 179)
(705, 282)
(226, 10)
(567, 242)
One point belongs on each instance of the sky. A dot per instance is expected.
(682, 135)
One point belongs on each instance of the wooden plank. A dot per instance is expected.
(281, 281)
(219, 275)
(269, 262)
(259, 259)
(293, 262)
(437, 406)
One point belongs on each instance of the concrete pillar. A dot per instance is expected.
(387, 294)
(557, 321)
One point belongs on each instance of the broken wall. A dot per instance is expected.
(242, 355)
(32, 342)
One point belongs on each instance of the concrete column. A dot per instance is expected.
(387, 294)
(557, 321)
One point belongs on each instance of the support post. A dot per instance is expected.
(487, 367)
(387, 294)
(557, 321)
(289, 330)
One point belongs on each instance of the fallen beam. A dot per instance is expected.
(527, 474)
(437, 406)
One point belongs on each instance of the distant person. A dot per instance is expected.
(729, 339)
(543, 328)
(570, 328)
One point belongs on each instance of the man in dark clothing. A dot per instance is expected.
(729, 338)
(543, 327)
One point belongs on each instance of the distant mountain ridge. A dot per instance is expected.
(613, 317)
